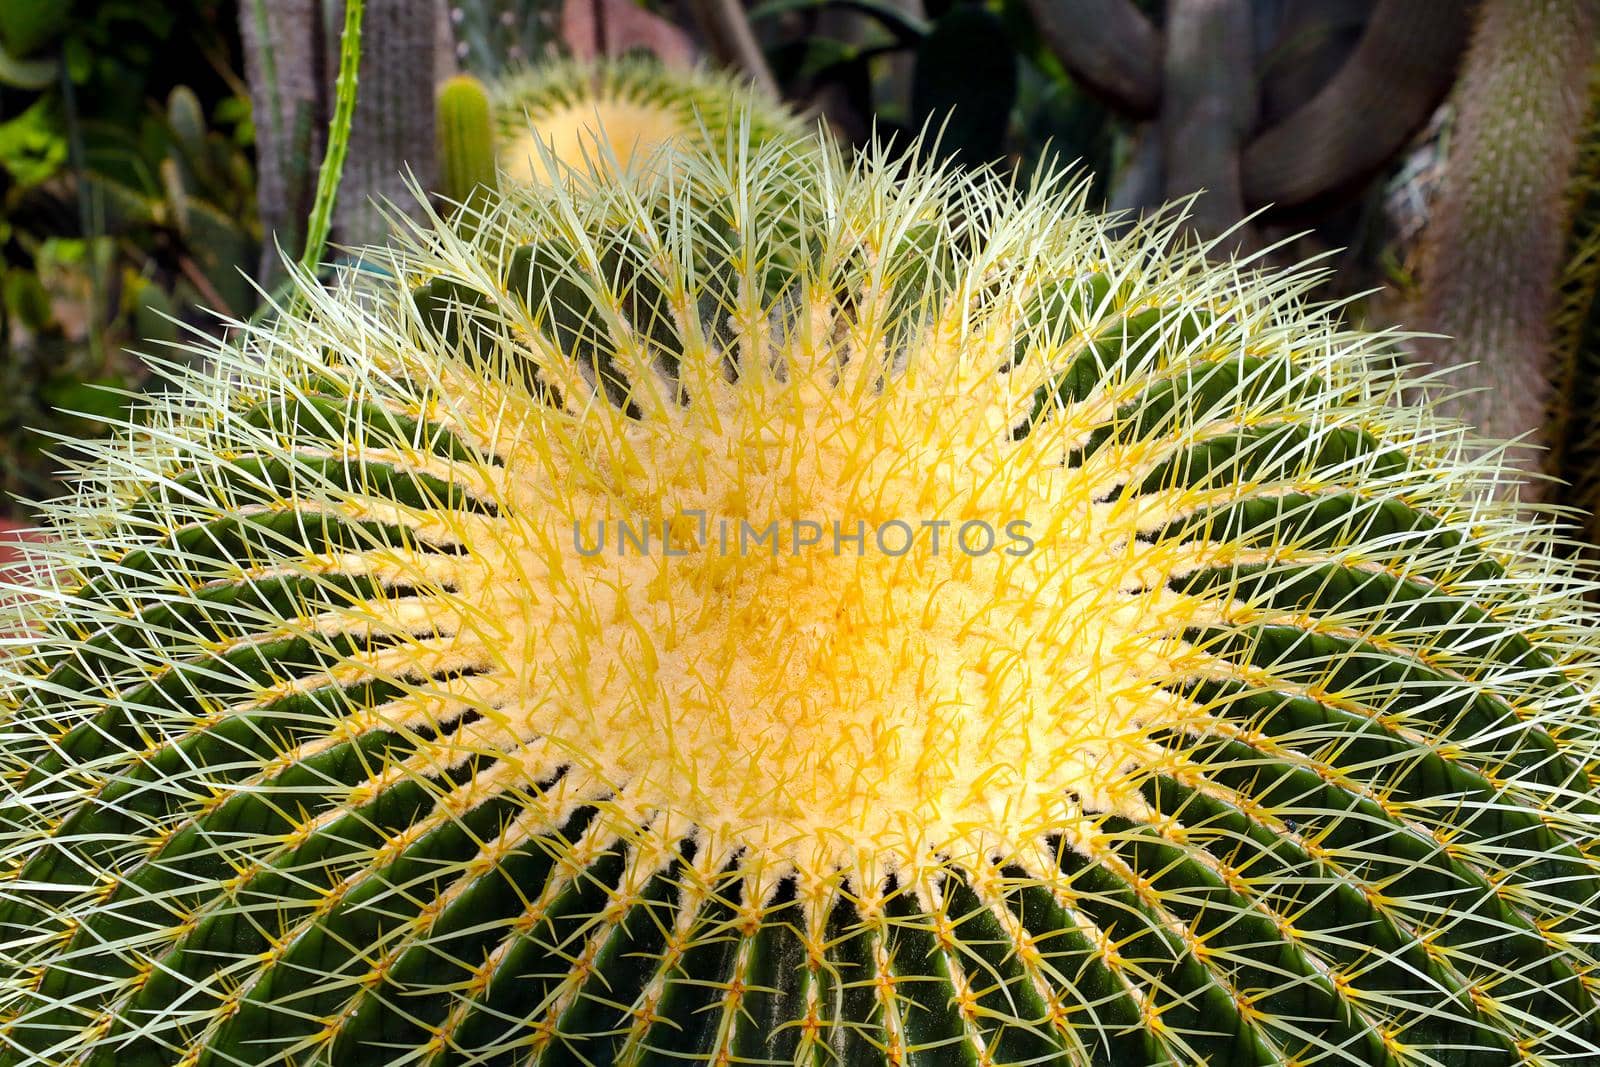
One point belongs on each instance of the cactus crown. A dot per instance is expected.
(332, 741)
(552, 116)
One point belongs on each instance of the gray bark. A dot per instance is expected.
(1108, 45)
(291, 51)
(392, 133)
(282, 58)
(1381, 96)
(1208, 107)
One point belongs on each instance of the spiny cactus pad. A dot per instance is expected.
(583, 115)
(330, 738)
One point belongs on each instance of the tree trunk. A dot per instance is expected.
(392, 134)
(1110, 47)
(1381, 96)
(1494, 245)
(291, 59)
(1207, 107)
(283, 44)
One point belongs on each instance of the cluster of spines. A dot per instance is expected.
(1377, 853)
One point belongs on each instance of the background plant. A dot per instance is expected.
(1292, 120)
(126, 195)
(1329, 124)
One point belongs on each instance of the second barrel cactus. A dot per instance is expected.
(586, 115)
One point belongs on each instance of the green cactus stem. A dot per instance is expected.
(466, 140)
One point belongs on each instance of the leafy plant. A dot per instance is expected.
(123, 205)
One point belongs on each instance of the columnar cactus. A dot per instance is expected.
(551, 116)
(780, 611)
(466, 139)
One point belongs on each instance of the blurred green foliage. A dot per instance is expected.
(494, 37)
(126, 204)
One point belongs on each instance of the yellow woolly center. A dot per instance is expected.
(885, 696)
(586, 134)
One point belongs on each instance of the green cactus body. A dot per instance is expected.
(328, 741)
(466, 139)
(574, 115)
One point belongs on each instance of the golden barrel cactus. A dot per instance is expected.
(583, 115)
(776, 611)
